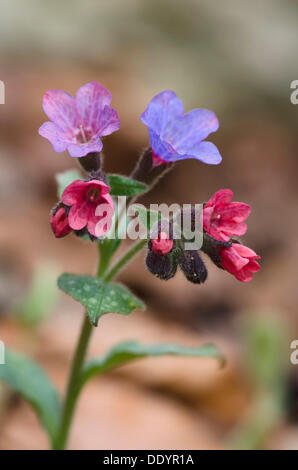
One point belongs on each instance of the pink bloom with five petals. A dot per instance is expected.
(78, 123)
(163, 244)
(240, 261)
(222, 218)
(91, 206)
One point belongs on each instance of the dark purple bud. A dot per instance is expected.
(193, 267)
(162, 266)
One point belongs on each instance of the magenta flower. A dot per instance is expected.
(78, 123)
(176, 136)
(222, 218)
(91, 206)
(59, 223)
(163, 244)
(240, 261)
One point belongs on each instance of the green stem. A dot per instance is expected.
(105, 256)
(73, 387)
(124, 260)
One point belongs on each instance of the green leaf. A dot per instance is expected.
(124, 186)
(129, 351)
(65, 178)
(27, 378)
(99, 297)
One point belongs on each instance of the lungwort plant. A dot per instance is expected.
(91, 207)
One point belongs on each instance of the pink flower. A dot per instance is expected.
(78, 123)
(163, 244)
(240, 261)
(223, 218)
(91, 206)
(59, 223)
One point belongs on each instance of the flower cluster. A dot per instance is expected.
(86, 207)
(222, 220)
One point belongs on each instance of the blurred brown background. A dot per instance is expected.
(236, 58)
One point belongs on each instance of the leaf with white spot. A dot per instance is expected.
(98, 296)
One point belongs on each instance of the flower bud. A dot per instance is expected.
(163, 254)
(193, 267)
(59, 221)
(162, 245)
(162, 266)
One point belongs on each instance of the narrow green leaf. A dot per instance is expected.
(99, 297)
(29, 380)
(65, 178)
(126, 352)
(124, 186)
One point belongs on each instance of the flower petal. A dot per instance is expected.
(220, 197)
(163, 108)
(245, 251)
(73, 193)
(80, 150)
(57, 137)
(238, 211)
(60, 107)
(90, 101)
(162, 149)
(186, 132)
(100, 220)
(78, 215)
(205, 151)
(108, 121)
(232, 228)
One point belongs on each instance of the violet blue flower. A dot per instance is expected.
(176, 136)
(78, 123)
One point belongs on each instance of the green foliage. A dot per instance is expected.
(126, 352)
(124, 186)
(28, 379)
(99, 297)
